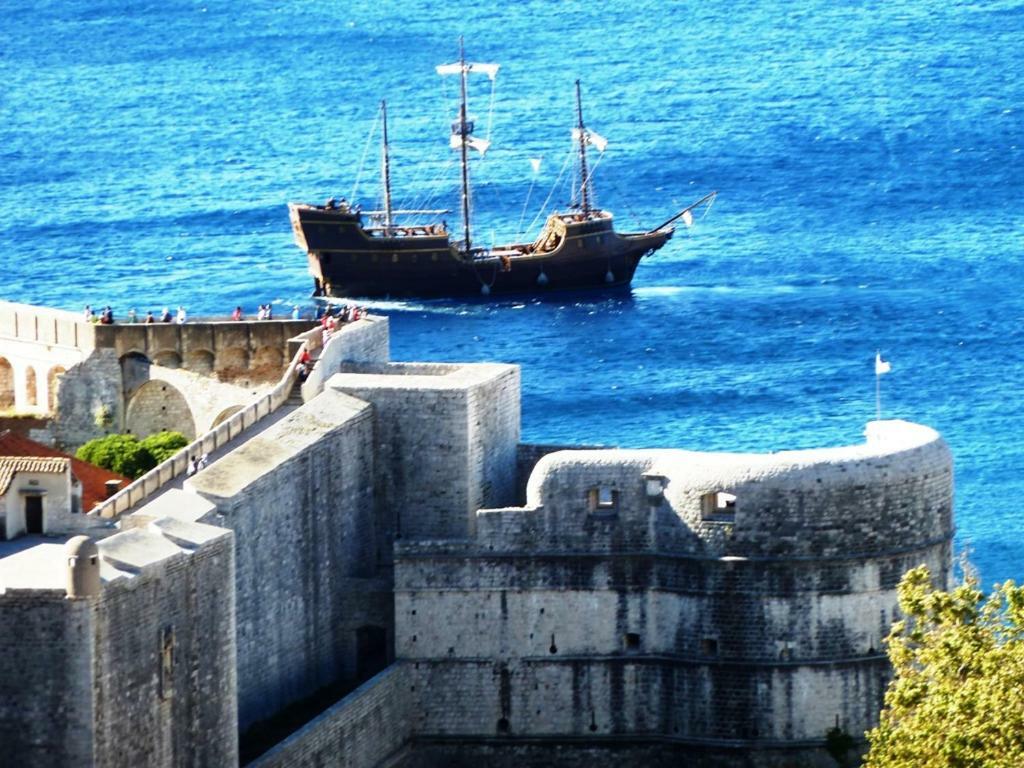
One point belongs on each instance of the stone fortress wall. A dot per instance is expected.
(621, 603)
(136, 668)
(641, 607)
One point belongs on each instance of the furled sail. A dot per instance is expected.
(598, 141)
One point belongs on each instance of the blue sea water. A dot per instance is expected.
(867, 154)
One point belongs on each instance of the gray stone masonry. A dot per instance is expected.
(164, 661)
(445, 438)
(299, 497)
(46, 704)
(629, 599)
(639, 607)
(139, 671)
(369, 727)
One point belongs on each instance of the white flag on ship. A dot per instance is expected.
(688, 218)
(480, 145)
(881, 366)
(599, 142)
(535, 163)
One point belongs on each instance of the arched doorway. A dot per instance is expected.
(6, 385)
(53, 384)
(31, 387)
(158, 405)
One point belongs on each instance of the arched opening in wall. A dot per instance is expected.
(31, 387)
(371, 651)
(226, 414)
(6, 385)
(232, 362)
(134, 371)
(167, 359)
(200, 361)
(158, 406)
(53, 379)
(268, 363)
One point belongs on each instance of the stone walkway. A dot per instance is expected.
(293, 402)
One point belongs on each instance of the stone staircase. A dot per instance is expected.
(295, 398)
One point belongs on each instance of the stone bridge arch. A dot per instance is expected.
(200, 361)
(226, 414)
(167, 358)
(156, 406)
(134, 371)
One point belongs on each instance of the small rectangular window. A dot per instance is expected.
(709, 646)
(719, 506)
(603, 500)
(632, 641)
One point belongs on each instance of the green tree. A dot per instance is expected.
(163, 445)
(123, 454)
(957, 697)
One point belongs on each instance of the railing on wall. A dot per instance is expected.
(43, 325)
(218, 436)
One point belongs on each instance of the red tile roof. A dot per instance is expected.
(92, 478)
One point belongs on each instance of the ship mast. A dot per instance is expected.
(463, 135)
(584, 175)
(385, 170)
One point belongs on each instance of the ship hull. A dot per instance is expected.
(347, 259)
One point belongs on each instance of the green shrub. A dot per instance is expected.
(123, 454)
(163, 445)
(958, 673)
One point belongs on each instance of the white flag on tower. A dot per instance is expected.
(881, 366)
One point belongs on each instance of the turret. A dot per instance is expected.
(83, 567)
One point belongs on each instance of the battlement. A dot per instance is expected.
(892, 492)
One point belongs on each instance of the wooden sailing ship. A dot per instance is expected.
(357, 253)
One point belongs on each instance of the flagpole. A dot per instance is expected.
(881, 366)
(878, 396)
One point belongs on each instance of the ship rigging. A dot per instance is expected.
(575, 249)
